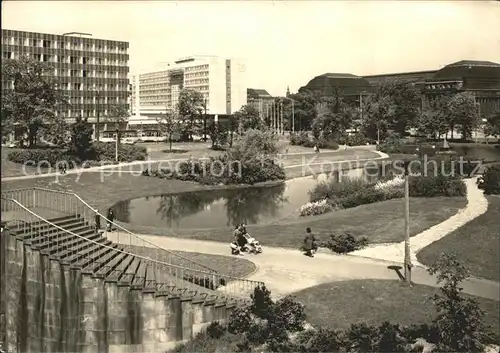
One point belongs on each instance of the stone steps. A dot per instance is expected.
(94, 255)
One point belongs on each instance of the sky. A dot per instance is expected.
(284, 43)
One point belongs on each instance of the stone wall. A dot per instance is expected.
(48, 307)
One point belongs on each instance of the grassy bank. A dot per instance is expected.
(476, 243)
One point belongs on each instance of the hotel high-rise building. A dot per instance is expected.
(92, 72)
(221, 81)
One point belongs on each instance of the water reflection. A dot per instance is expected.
(224, 208)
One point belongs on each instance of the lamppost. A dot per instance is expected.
(407, 259)
(97, 132)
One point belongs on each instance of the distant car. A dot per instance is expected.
(129, 141)
(197, 138)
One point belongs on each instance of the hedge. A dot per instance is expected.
(50, 157)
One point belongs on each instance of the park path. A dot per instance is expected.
(286, 270)
(477, 204)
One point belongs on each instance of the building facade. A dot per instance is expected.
(481, 78)
(93, 73)
(221, 81)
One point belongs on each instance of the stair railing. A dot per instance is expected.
(157, 274)
(66, 203)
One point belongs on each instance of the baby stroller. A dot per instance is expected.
(247, 244)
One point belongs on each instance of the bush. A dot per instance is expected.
(316, 208)
(262, 304)
(430, 186)
(490, 180)
(215, 330)
(43, 157)
(239, 321)
(126, 153)
(344, 243)
(302, 139)
(331, 189)
(257, 333)
(299, 139)
(290, 314)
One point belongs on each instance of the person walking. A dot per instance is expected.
(97, 217)
(310, 245)
(111, 217)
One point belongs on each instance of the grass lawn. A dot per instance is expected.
(381, 222)
(340, 304)
(476, 244)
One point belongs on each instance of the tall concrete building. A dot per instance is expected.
(92, 72)
(221, 81)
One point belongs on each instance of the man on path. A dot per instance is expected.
(310, 246)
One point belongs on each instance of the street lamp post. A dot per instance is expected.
(293, 112)
(407, 259)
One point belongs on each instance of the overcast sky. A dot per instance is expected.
(284, 42)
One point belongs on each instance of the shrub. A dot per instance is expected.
(430, 186)
(257, 333)
(262, 304)
(290, 314)
(43, 157)
(429, 332)
(239, 321)
(126, 153)
(215, 330)
(490, 180)
(322, 340)
(299, 139)
(331, 189)
(362, 338)
(344, 243)
(367, 196)
(316, 208)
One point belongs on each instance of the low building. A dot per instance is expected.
(482, 78)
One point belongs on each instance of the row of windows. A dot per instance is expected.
(63, 59)
(196, 82)
(72, 44)
(196, 74)
(94, 100)
(91, 74)
(456, 85)
(196, 68)
(81, 113)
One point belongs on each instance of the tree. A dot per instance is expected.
(32, 102)
(304, 110)
(459, 319)
(169, 125)
(81, 139)
(435, 120)
(464, 113)
(118, 114)
(248, 117)
(218, 134)
(189, 109)
(394, 105)
(492, 127)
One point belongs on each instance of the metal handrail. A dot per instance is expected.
(146, 259)
(124, 229)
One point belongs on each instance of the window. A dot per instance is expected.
(34, 43)
(6, 54)
(84, 60)
(84, 73)
(46, 44)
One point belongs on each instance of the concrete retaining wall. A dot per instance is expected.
(47, 307)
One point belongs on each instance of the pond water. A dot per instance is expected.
(224, 208)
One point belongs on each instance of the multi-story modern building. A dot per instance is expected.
(221, 81)
(93, 73)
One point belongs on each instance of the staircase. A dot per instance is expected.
(126, 300)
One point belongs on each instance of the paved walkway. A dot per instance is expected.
(286, 270)
(477, 204)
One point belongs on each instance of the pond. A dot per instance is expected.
(224, 208)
